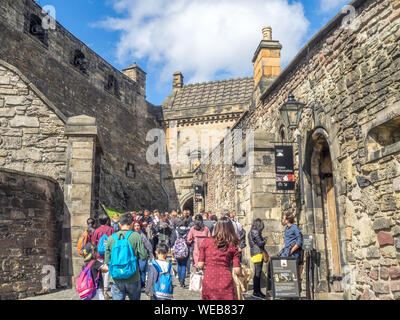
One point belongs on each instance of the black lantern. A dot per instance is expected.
(199, 174)
(291, 112)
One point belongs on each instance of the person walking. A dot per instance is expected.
(143, 264)
(257, 244)
(131, 286)
(164, 229)
(196, 235)
(159, 285)
(90, 258)
(181, 232)
(114, 222)
(207, 222)
(216, 256)
(103, 233)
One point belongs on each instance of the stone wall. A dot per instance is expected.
(31, 132)
(31, 217)
(95, 89)
(351, 78)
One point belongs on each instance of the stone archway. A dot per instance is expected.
(188, 205)
(325, 215)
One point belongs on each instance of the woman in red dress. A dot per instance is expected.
(217, 254)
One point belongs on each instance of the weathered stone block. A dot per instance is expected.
(384, 273)
(389, 252)
(382, 223)
(373, 253)
(363, 182)
(15, 100)
(23, 121)
(374, 274)
(9, 143)
(83, 178)
(394, 273)
(381, 287)
(395, 286)
(7, 112)
(385, 238)
(81, 165)
(80, 191)
(263, 200)
(82, 153)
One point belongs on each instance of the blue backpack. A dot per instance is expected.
(163, 289)
(123, 260)
(101, 247)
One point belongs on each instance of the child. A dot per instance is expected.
(90, 254)
(159, 283)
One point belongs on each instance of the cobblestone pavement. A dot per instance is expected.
(179, 293)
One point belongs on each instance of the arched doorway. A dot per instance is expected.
(326, 226)
(188, 205)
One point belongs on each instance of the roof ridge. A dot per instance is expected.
(217, 81)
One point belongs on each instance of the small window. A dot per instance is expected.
(112, 85)
(36, 28)
(79, 61)
(130, 171)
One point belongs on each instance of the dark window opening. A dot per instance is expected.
(79, 61)
(387, 133)
(130, 171)
(112, 85)
(36, 28)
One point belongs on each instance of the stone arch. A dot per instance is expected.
(323, 208)
(185, 201)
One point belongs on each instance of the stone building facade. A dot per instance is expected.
(77, 81)
(350, 154)
(69, 116)
(197, 116)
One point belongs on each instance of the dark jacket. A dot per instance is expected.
(242, 238)
(210, 225)
(256, 242)
(179, 233)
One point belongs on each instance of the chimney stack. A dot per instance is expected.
(267, 60)
(177, 83)
(135, 73)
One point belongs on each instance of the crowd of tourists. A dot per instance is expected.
(135, 253)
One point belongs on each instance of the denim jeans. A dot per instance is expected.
(182, 264)
(143, 269)
(120, 290)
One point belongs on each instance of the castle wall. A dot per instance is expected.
(31, 218)
(121, 111)
(351, 77)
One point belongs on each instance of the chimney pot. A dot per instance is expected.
(267, 33)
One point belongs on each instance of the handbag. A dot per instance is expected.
(257, 258)
(196, 281)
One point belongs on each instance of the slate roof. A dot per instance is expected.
(232, 91)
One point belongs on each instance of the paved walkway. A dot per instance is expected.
(179, 293)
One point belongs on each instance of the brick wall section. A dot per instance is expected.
(352, 79)
(30, 232)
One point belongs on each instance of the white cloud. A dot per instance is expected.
(330, 5)
(202, 38)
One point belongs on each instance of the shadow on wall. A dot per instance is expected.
(35, 240)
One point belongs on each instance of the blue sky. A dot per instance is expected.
(206, 40)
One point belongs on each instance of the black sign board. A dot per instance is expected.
(284, 168)
(308, 242)
(198, 191)
(285, 279)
